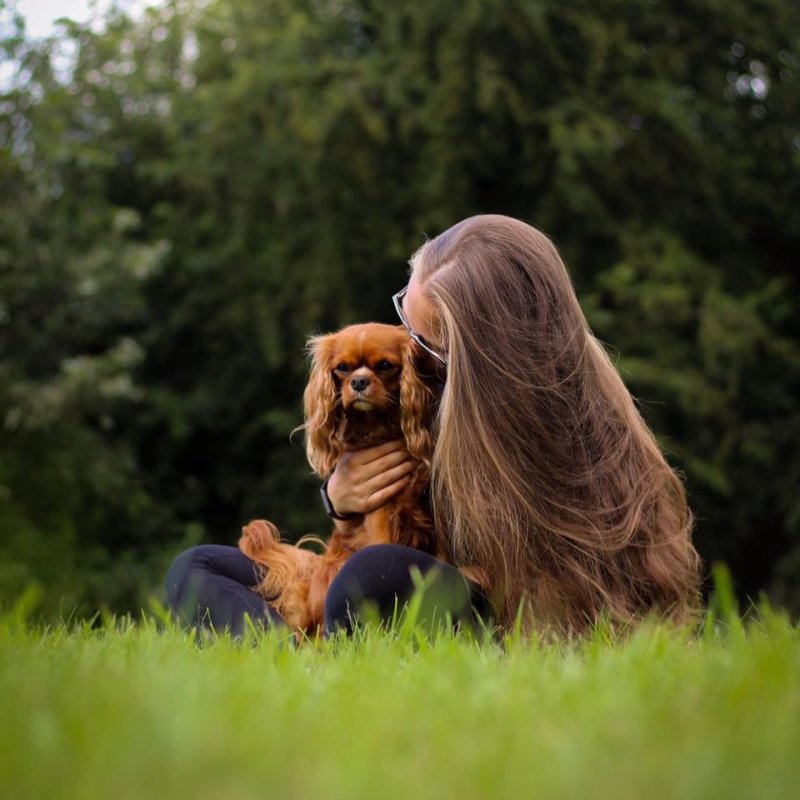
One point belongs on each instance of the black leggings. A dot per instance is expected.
(214, 586)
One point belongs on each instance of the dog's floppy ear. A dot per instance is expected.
(322, 407)
(417, 403)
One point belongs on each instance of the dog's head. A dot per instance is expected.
(376, 372)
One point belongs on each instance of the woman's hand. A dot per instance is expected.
(365, 479)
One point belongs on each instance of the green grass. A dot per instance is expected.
(131, 710)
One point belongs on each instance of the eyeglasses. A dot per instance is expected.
(397, 299)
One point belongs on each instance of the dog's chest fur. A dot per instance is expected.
(361, 429)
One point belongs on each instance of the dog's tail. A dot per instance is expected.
(286, 571)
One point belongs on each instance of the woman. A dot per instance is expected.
(552, 490)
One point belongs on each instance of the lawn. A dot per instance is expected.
(134, 709)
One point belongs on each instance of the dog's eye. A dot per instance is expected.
(383, 366)
(342, 367)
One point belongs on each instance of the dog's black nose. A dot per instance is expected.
(359, 384)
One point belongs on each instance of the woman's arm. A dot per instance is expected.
(365, 479)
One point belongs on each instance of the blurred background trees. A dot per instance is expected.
(187, 195)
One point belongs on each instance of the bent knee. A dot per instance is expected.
(188, 559)
(377, 578)
(383, 558)
(182, 566)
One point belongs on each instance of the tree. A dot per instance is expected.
(211, 183)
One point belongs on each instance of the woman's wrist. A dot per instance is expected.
(330, 508)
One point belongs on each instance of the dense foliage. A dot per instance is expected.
(185, 196)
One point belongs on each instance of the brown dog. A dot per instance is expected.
(366, 387)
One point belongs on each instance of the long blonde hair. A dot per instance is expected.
(545, 476)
